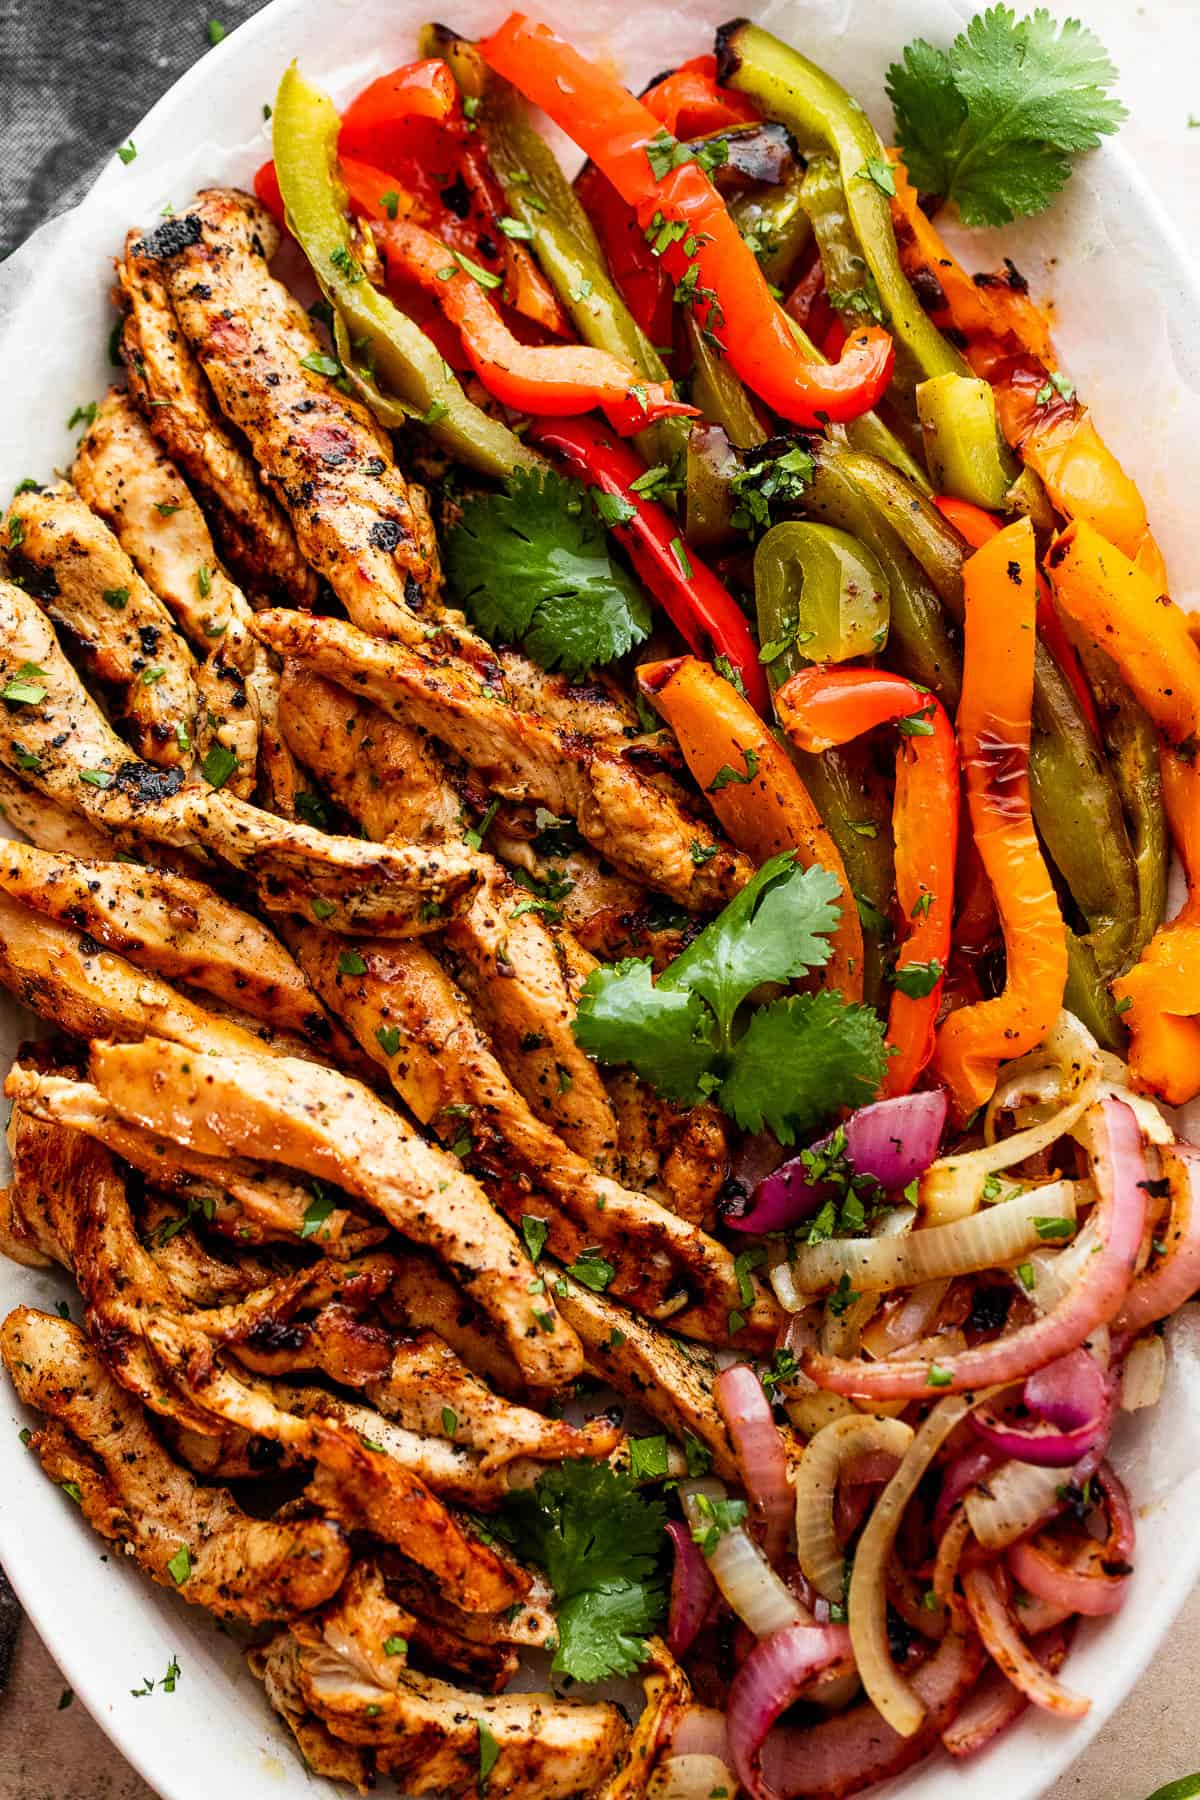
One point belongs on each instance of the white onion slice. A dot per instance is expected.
(815, 1481)
(1144, 1373)
(1016, 1498)
(891, 1693)
(983, 1240)
(953, 1187)
(746, 1579)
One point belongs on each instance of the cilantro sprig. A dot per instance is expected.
(599, 1541)
(784, 1065)
(994, 122)
(531, 566)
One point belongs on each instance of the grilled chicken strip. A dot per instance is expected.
(72, 563)
(131, 1491)
(402, 1008)
(671, 1379)
(364, 1618)
(178, 928)
(246, 1201)
(70, 753)
(426, 1733)
(523, 757)
(275, 1666)
(49, 826)
(357, 521)
(356, 1481)
(329, 1126)
(167, 384)
(127, 480)
(384, 774)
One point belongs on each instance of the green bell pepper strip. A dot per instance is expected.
(869, 434)
(847, 287)
(1132, 746)
(716, 390)
(708, 503)
(822, 595)
(964, 452)
(409, 366)
(561, 235)
(775, 225)
(1086, 994)
(1077, 798)
(855, 805)
(818, 111)
(922, 645)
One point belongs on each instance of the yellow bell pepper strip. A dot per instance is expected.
(753, 787)
(963, 448)
(547, 380)
(823, 707)
(1118, 609)
(713, 268)
(994, 723)
(305, 127)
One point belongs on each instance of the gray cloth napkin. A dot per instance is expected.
(75, 78)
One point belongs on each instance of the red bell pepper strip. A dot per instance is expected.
(420, 90)
(819, 707)
(691, 104)
(642, 282)
(978, 526)
(712, 266)
(704, 613)
(266, 187)
(545, 380)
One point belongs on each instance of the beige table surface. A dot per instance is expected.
(48, 1753)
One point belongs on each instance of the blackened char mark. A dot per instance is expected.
(145, 784)
(169, 238)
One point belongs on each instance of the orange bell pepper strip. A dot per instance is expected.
(690, 103)
(994, 719)
(1008, 342)
(1123, 611)
(550, 381)
(712, 266)
(977, 526)
(819, 707)
(753, 787)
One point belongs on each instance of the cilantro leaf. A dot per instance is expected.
(994, 122)
(532, 565)
(773, 930)
(663, 1033)
(800, 1059)
(599, 1541)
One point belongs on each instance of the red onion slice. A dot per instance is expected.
(996, 1703)
(961, 1476)
(1070, 1392)
(986, 1594)
(692, 1590)
(774, 1674)
(892, 1140)
(1176, 1276)
(761, 1457)
(857, 1747)
(1096, 1582)
(1118, 1170)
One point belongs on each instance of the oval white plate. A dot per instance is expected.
(107, 1627)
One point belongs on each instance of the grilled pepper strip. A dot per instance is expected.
(305, 127)
(550, 380)
(690, 104)
(1053, 435)
(1077, 799)
(1120, 612)
(817, 110)
(753, 787)
(700, 608)
(994, 722)
(820, 708)
(538, 194)
(775, 225)
(709, 262)
(821, 596)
